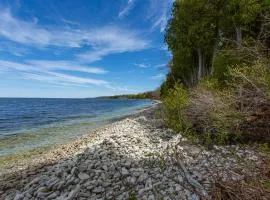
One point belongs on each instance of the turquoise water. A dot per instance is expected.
(26, 124)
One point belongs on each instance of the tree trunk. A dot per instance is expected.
(238, 36)
(204, 70)
(200, 64)
(216, 49)
(193, 79)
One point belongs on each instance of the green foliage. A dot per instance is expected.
(256, 76)
(265, 148)
(175, 102)
(211, 27)
(192, 29)
(242, 12)
(266, 184)
(210, 83)
(221, 124)
(221, 63)
(132, 196)
(226, 43)
(224, 123)
(167, 85)
(225, 117)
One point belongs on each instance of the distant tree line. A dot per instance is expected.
(145, 95)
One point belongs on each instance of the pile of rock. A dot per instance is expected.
(133, 159)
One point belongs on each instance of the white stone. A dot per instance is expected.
(98, 189)
(18, 197)
(124, 171)
(83, 176)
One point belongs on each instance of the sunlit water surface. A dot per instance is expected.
(26, 124)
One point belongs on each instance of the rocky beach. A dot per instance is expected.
(133, 158)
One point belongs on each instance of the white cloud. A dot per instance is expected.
(115, 87)
(164, 47)
(9, 65)
(69, 22)
(13, 48)
(161, 65)
(142, 65)
(159, 12)
(76, 79)
(48, 65)
(158, 77)
(102, 41)
(160, 22)
(111, 40)
(62, 79)
(127, 9)
(65, 65)
(20, 31)
(44, 72)
(35, 20)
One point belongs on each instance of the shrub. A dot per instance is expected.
(225, 121)
(221, 63)
(174, 104)
(214, 113)
(239, 113)
(255, 77)
(233, 58)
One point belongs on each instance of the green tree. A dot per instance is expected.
(191, 36)
(206, 36)
(238, 15)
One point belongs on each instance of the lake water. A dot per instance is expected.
(30, 123)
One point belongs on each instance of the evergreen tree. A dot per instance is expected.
(200, 29)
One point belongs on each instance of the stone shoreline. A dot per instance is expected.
(134, 158)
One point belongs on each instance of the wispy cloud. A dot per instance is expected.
(29, 33)
(13, 48)
(127, 9)
(48, 71)
(47, 65)
(142, 65)
(111, 40)
(115, 87)
(59, 78)
(65, 65)
(159, 13)
(35, 20)
(69, 22)
(158, 77)
(160, 22)
(101, 41)
(42, 71)
(161, 66)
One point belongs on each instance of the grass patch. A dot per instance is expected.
(132, 196)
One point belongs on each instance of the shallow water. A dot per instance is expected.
(30, 123)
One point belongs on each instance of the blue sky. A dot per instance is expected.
(80, 48)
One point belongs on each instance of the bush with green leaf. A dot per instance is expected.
(256, 76)
(174, 105)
